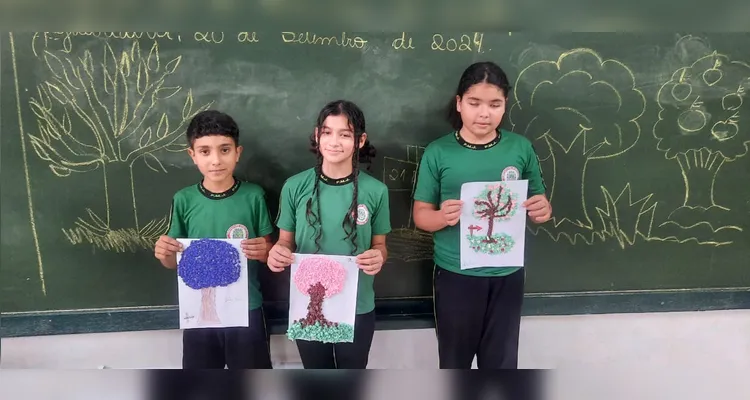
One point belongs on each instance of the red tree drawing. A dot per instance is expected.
(319, 278)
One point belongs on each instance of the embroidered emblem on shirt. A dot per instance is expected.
(510, 174)
(363, 214)
(237, 231)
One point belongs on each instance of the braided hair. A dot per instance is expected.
(363, 155)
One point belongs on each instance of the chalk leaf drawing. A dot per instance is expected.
(205, 265)
(319, 279)
(554, 110)
(102, 109)
(703, 124)
(494, 204)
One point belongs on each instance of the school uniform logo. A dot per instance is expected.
(237, 231)
(363, 214)
(511, 174)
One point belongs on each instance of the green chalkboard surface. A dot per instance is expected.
(643, 139)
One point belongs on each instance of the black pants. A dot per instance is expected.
(168, 384)
(341, 385)
(355, 355)
(478, 316)
(235, 348)
(526, 384)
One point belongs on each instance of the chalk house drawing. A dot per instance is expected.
(496, 203)
(99, 110)
(552, 110)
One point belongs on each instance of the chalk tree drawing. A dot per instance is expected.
(554, 110)
(205, 265)
(406, 243)
(320, 278)
(102, 112)
(700, 125)
(495, 203)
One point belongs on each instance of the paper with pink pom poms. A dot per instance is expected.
(323, 298)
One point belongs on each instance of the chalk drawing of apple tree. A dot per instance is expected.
(702, 124)
(103, 110)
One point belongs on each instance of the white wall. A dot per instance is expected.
(709, 349)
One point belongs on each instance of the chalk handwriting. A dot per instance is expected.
(311, 38)
(463, 43)
(209, 37)
(403, 42)
(247, 37)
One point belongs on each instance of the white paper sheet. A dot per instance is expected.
(337, 277)
(493, 224)
(217, 270)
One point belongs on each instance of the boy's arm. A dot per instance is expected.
(167, 246)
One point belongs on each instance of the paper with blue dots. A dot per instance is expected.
(212, 284)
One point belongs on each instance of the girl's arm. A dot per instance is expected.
(286, 239)
(378, 243)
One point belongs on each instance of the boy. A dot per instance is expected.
(221, 206)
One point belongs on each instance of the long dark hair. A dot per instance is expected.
(479, 72)
(363, 155)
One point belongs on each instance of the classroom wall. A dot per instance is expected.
(710, 340)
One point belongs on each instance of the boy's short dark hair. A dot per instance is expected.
(212, 122)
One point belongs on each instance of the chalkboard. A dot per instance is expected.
(643, 141)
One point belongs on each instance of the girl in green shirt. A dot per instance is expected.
(334, 208)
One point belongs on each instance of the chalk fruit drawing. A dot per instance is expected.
(702, 125)
(495, 203)
(330, 310)
(554, 110)
(103, 109)
(204, 267)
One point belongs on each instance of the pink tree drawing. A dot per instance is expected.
(319, 278)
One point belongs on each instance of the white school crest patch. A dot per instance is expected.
(510, 174)
(237, 231)
(363, 214)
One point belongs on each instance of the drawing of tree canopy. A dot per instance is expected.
(101, 110)
(700, 124)
(554, 108)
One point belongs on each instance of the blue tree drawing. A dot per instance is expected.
(205, 265)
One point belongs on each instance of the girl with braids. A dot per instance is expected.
(336, 209)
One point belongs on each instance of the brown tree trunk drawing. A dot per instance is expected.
(208, 307)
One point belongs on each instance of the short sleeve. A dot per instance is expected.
(381, 216)
(177, 228)
(428, 179)
(533, 173)
(262, 219)
(286, 217)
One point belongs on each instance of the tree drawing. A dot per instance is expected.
(320, 278)
(701, 112)
(205, 265)
(107, 112)
(495, 203)
(554, 108)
